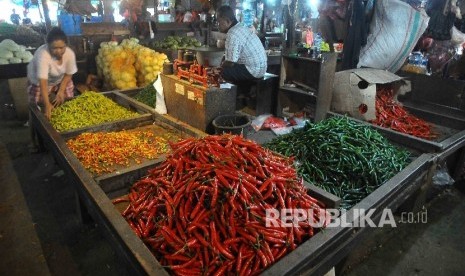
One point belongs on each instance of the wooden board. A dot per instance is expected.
(8, 71)
(104, 28)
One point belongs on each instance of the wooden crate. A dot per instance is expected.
(195, 104)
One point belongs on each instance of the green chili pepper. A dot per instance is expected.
(88, 109)
(148, 95)
(343, 157)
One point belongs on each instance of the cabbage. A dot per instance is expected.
(9, 45)
(24, 55)
(3, 61)
(15, 60)
(27, 59)
(19, 52)
(6, 54)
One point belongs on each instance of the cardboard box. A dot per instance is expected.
(355, 91)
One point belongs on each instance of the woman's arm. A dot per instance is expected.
(43, 83)
(60, 98)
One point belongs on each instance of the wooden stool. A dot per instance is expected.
(260, 94)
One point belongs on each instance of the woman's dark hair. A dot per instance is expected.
(227, 13)
(56, 34)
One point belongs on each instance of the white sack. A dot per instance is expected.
(394, 32)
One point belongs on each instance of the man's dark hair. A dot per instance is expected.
(227, 13)
(56, 34)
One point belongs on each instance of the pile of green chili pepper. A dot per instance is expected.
(343, 157)
(148, 95)
(88, 109)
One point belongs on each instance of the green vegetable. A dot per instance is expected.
(175, 42)
(7, 29)
(148, 95)
(88, 109)
(343, 157)
(9, 45)
(22, 35)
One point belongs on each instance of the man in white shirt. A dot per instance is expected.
(245, 56)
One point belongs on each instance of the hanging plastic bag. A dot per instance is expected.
(160, 106)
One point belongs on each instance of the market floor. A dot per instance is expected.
(41, 233)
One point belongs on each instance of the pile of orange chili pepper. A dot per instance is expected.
(391, 114)
(100, 152)
(203, 210)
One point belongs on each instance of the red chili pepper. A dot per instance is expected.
(217, 244)
(201, 239)
(215, 193)
(390, 114)
(215, 212)
(177, 257)
(184, 265)
(281, 253)
(221, 271)
(247, 268)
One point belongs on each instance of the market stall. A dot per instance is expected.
(100, 206)
(96, 194)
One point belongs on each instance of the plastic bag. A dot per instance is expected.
(258, 122)
(268, 121)
(441, 177)
(274, 122)
(458, 38)
(282, 130)
(160, 106)
(297, 122)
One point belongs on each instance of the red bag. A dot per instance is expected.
(273, 122)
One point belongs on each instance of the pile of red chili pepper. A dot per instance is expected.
(100, 152)
(203, 210)
(391, 114)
